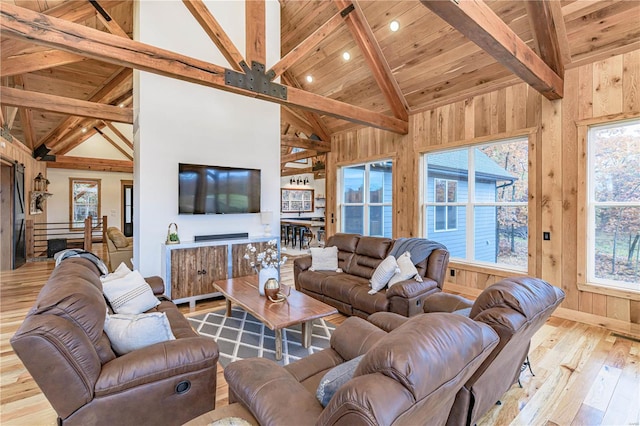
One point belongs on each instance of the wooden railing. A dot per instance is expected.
(41, 236)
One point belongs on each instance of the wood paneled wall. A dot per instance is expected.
(605, 88)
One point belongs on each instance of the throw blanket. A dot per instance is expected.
(419, 248)
(65, 254)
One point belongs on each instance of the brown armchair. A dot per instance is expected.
(515, 308)
(406, 376)
(119, 247)
(65, 349)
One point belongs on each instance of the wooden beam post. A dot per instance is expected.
(545, 32)
(87, 241)
(85, 163)
(118, 133)
(319, 146)
(29, 62)
(298, 156)
(475, 20)
(255, 16)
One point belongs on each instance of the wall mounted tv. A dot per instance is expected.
(218, 190)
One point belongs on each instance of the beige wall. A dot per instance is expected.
(601, 91)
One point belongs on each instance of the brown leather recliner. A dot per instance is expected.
(515, 308)
(64, 347)
(405, 377)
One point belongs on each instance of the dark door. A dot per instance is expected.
(127, 208)
(6, 215)
(19, 246)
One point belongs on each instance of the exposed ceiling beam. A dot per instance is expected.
(119, 134)
(290, 171)
(286, 140)
(307, 44)
(545, 33)
(255, 27)
(372, 53)
(97, 164)
(475, 20)
(11, 116)
(114, 143)
(72, 11)
(26, 117)
(29, 62)
(59, 104)
(111, 25)
(298, 156)
(314, 119)
(110, 89)
(215, 32)
(39, 29)
(296, 119)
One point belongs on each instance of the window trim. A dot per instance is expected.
(445, 204)
(526, 135)
(365, 204)
(583, 245)
(74, 225)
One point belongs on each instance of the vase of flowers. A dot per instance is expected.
(266, 263)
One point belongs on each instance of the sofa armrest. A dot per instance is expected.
(387, 321)
(270, 393)
(300, 264)
(157, 285)
(409, 289)
(437, 266)
(155, 363)
(444, 302)
(354, 337)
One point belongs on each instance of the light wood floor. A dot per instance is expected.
(584, 375)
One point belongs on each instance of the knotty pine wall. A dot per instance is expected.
(597, 92)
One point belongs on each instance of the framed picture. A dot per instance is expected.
(296, 200)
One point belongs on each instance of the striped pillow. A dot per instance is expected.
(130, 294)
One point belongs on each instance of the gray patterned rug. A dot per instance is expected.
(243, 336)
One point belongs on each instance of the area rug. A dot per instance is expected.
(242, 336)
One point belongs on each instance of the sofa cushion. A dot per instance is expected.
(335, 378)
(344, 242)
(383, 273)
(362, 300)
(407, 270)
(130, 294)
(375, 247)
(340, 286)
(117, 237)
(324, 259)
(128, 333)
(312, 280)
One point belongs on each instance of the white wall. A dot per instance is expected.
(98, 147)
(176, 121)
(110, 187)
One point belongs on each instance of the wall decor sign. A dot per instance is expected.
(296, 200)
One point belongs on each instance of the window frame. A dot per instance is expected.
(586, 212)
(366, 204)
(470, 204)
(72, 181)
(447, 204)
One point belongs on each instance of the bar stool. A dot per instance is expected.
(306, 237)
(294, 235)
(321, 237)
(284, 233)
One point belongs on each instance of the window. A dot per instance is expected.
(84, 200)
(613, 204)
(476, 202)
(366, 202)
(446, 191)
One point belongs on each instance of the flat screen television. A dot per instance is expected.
(217, 190)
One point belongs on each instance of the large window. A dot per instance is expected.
(84, 200)
(366, 199)
(475, 202)
(613, 204)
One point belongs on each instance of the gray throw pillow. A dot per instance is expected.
(335, 378)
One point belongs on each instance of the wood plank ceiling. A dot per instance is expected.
(426, 63)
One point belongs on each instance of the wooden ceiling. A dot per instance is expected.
(426, 63)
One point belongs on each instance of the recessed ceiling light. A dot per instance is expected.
(394, 26)
(84, 130)
(121, 105)
(346, 56)
(309, 79)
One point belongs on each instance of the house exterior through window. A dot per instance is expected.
(84, 200)
(476, 202)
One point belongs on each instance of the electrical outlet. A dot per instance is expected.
(453, 272)
(546, 236)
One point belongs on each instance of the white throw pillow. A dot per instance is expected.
(128, 333)
(120, 272)
(407, 270)
(383, 273)
(130, 294)
(324, 259)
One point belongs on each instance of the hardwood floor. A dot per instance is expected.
(584, 375)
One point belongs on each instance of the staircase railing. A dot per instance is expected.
(46, 238)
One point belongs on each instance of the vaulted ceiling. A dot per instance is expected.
(442, 52)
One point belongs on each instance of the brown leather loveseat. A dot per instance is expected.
(515, 308)
(63, 345)
(409, 376)
(358, 257)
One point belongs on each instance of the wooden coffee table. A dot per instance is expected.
(297, 309)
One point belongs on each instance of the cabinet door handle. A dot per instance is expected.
(204, 272)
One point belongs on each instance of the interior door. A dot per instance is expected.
(127, 208)
(6, 215)
(19, 224)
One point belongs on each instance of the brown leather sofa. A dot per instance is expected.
(64, 347)
(409, 376)
(358, 257)
(515, 308)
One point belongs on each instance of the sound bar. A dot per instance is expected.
(221, 236)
